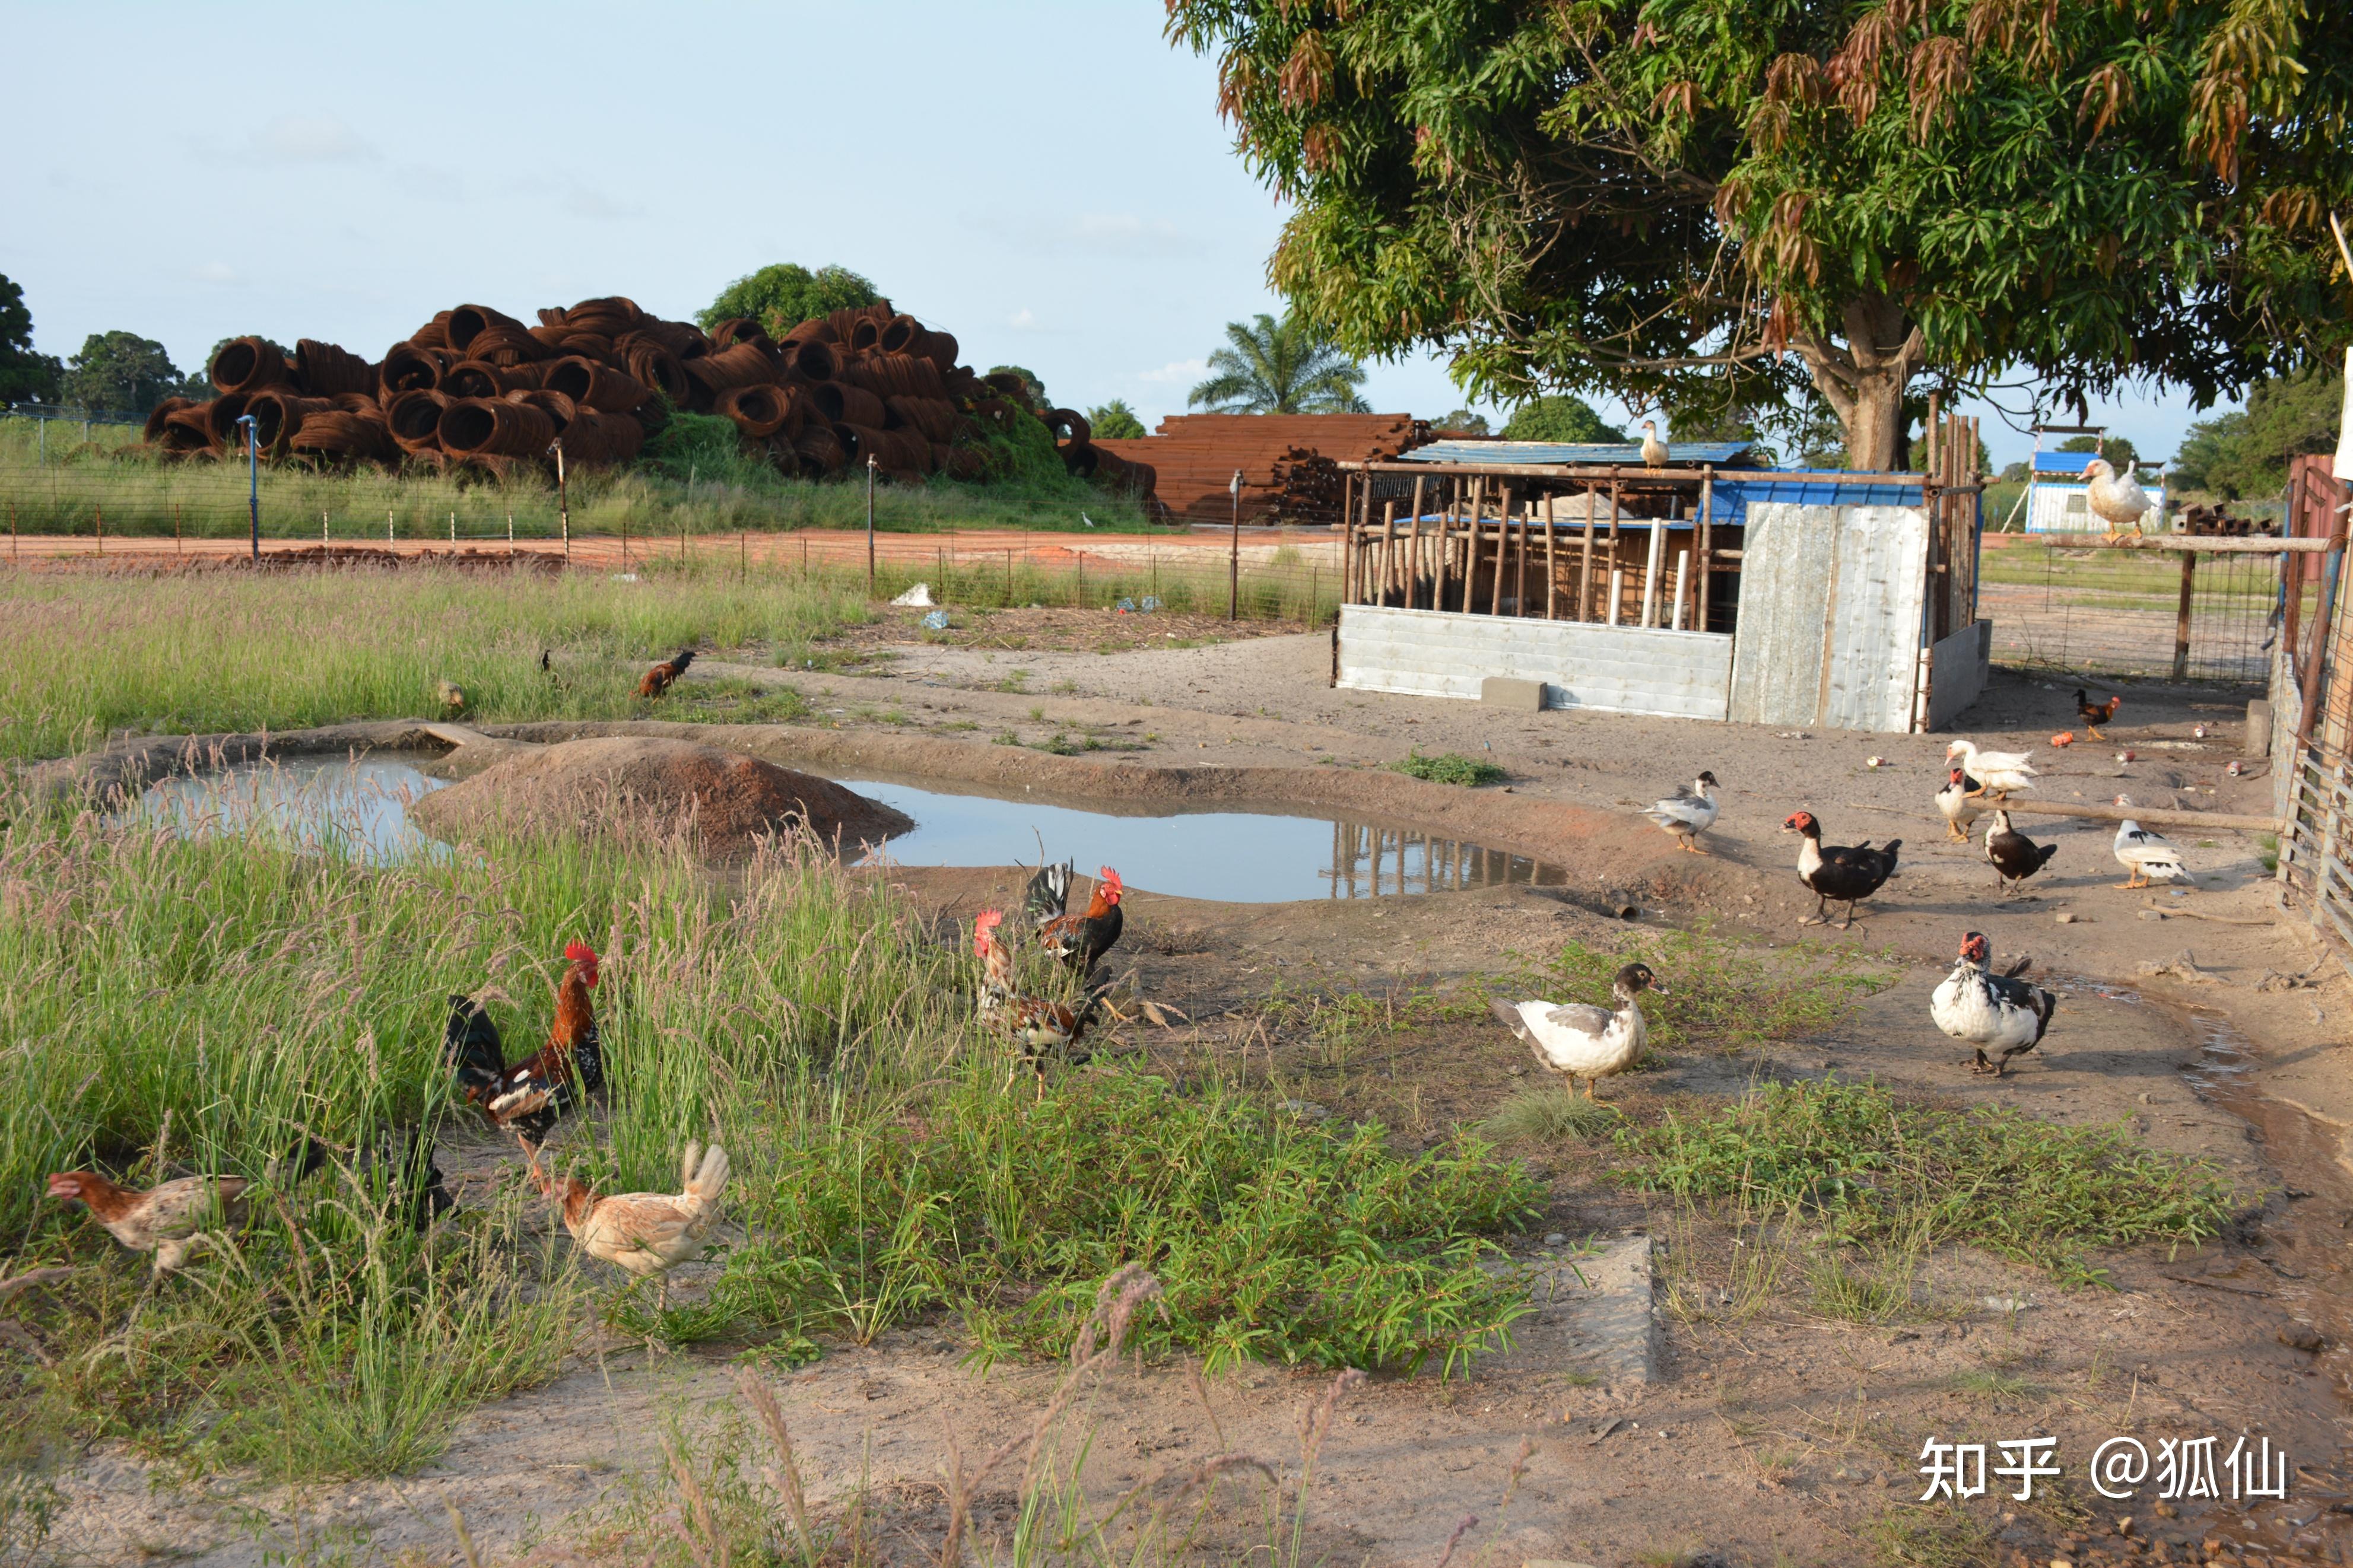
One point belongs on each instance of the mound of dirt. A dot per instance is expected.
(596, 785)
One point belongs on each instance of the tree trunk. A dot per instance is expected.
(1863, 380)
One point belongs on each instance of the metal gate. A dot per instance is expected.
(1830, 604)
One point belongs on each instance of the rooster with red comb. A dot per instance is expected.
(1078, 941)
(528, 1097)
(1040, 1028)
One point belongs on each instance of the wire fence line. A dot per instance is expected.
(2095, 613)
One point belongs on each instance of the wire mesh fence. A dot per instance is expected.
(2094, 611)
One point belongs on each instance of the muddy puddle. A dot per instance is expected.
(356, 806)
(361, 807)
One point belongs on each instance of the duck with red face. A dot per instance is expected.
(1841, 873)
(1997, 1011)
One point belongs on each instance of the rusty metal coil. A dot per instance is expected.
(550, 315)
(743, 365)
(248, 365)
(840, 402)
(609, 317)
(324, 370)
(554, 405)
(684, 338)
(906, 451)
(844, 322)
(936, 418)
(817, 327)
(593, 438)
(505, 346)
(472, 378)
(740, 330)
(407, 366)
(550, 337)
(1079, 462)
(220, 418)
(654, 365)
(188, 428)
(812, 359)
(414, 418)
(468, 322)
(433, 334)
(859, 442)
(161, 411)
(1071, 431)
(333, 432)
(278, 413)
(588, 346)
(941, 348)
(820, 449)
(863, 335)
(969, 463)
(595, 386)
(895, 376)
(489, 427)
(357, 403)
(994, 413)
(759, 410)
(896, 333)
(963, 386)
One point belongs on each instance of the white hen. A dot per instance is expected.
(1998, 774)
(1688, 813)
(1585, 1042)
(2151, 858)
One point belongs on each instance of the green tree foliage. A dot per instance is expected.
(25, 377)
(120, 372)
(1463, 422)
(1290, 366)
(1115, 421)
(2117, 449)
(1559, 418)
(1028, 379)
(2246, 453)
(1696, 201)
(783, 295)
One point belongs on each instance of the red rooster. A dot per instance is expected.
(1043, 1027)
(528, 1097)
(657, 680)
(2095, 714)
(1077, 941)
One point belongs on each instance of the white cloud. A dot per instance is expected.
(1178, 370)
(217, 272)
(1025, 320)
(308, 139)
(1125, 234)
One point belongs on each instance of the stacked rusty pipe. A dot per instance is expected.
(478, 390)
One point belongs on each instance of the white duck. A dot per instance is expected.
(1997, 772)
(2115, 498)
(2151, 858)
(1957, 801)
(1579, 1041)
(1654, 451)
(1985, 1009)
(1688, 813)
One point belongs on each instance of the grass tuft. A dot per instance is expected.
(1449, 768)
(1549, 1116)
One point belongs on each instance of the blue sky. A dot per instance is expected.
(1050, 182)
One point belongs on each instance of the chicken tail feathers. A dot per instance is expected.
(707, 1179)
(1048, 897)
(470, 1045)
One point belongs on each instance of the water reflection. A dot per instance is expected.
(334, 805)
(1368, 861)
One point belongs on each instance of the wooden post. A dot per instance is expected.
(1552, 559)
(1520, 562)
(1388, 550)
(1502, 548)
(2292, 567)
(1347, 559)
(1706, 544)
(1585, 576)
(2181, 616)
(1654, 561)
(1413, 549)
(1444, 550)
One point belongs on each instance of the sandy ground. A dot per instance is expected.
(1764, 1431)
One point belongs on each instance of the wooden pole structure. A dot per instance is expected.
(1388, 549)
(1617, 589)
(1445, 547)
(1682, 565)
(1413, 549)
(1552, 559)
(1502, 547)
(2181, 616)
(1585, 576)
(1617, 574)
(1520, 566)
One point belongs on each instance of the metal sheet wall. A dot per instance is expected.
(1611, 669)
(1831, 607)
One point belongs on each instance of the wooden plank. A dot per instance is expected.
(1585, 577)
(1519, 558)
(1388, 549)
(1551, 561)
(2181, 615)
(1413, 567)
(1502, 533)
(1444, 552)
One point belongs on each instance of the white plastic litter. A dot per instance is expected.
(918, 597)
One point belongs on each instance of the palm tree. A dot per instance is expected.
(1290, 366)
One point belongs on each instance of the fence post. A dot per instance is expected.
(102, 531)
(869, 525)
(1234, 556)
(2181, 616)
(253, 482)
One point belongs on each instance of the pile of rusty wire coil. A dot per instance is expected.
(476, 390)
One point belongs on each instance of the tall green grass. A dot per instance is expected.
(190, 653)
(204, 1004)
(684, 490)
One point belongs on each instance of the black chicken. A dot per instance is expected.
(1845, 874)
(2014, 856)
(1078, 941)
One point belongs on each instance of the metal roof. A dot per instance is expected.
(1735, 493)
(1568, 454)
(2062, 462)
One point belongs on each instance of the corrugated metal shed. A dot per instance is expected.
(2062, 462)
(1613, 670)
(1831, 599)
(1569, 454)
